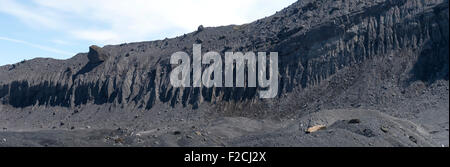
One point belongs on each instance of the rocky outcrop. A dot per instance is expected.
(96, 54)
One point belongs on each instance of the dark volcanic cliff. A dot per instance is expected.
(381, 54)
(315, 40)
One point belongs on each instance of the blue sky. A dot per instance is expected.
(61, 28)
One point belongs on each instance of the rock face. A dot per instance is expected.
(96, 54)
(386, 54)
(316, 40)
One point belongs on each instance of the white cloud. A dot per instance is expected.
(41, 47)
(101, 36)
(27, 14)
(117, 21)
(60, 42)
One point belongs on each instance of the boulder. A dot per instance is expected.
(200, 28)
(315, 128)
(97, 55)
(354, 121)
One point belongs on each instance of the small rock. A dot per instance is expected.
(354, 121)
(72, 128)
(315, 128)
(198, 133)
(368, 133)
(119, 140)
(140, 141)
(177, 133)
(4, 140)
(156, 143)
(200, 28)
(413, 139)
(189, 137)
(88, 127)
(384, 129)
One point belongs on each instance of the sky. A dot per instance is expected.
(61, 28)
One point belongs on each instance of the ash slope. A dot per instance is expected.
(382, 62)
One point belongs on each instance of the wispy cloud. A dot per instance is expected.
(118, 21)
(60, 42)
(37, 46)
(29, 15)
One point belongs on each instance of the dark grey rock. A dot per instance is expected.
(97, 55)
(354, 121)
(200, 28)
